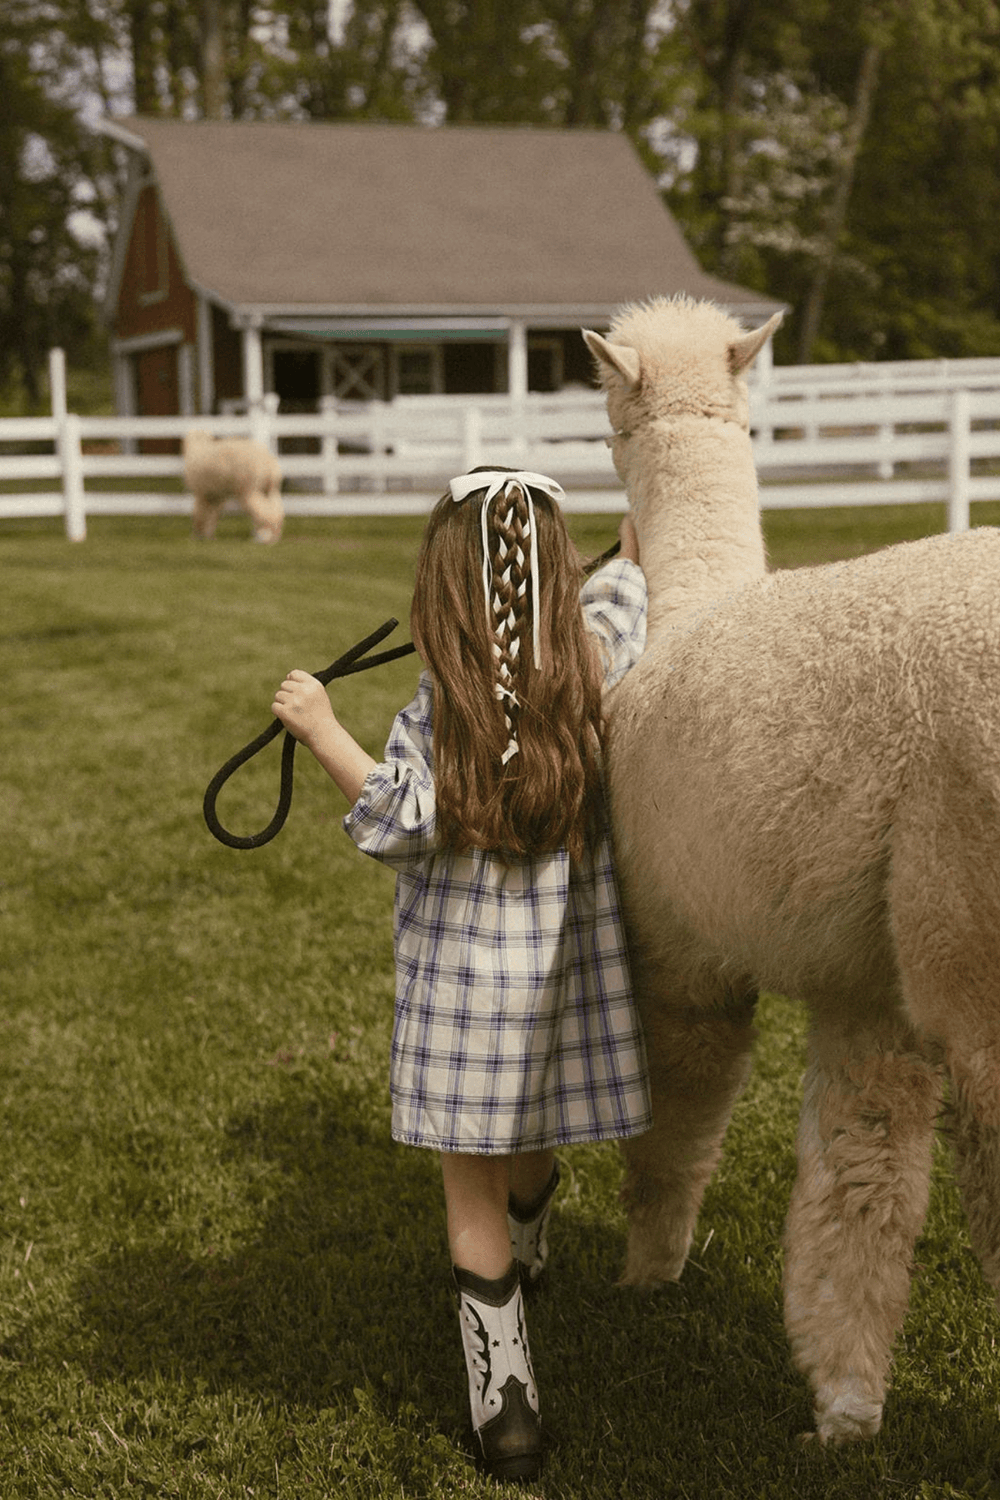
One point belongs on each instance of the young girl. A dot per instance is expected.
(515, 1030)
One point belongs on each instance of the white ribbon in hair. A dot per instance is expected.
(493, 481)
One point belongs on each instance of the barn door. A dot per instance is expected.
(359, 372)
(157, 392)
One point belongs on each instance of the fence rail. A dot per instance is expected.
(823, 435)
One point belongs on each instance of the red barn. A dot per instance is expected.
(362, 261)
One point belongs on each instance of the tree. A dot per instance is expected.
(487, 60)
(925, 206)
(371, 69)
(835, 218)
(820, 148)
(47, 271)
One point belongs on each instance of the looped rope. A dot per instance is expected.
(352, 661)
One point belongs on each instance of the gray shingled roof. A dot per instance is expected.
(370, 217)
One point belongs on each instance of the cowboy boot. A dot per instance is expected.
(503, 1398)
(529, 1232)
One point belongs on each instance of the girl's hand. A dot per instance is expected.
(303, 707)
(628, 538)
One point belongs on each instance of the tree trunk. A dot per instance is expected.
(381, 66)
(812, 312)
(634, 86)
(739, 18)
(142, 41)
(213, 61)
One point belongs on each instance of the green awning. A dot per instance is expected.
(392, 330)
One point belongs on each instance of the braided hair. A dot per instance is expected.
(509, 604)
(517, 690)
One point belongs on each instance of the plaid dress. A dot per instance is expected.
(515, 1028)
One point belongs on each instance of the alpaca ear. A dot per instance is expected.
(623, 360)
(743, 351)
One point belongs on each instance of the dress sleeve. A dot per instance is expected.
(614, 607)
(393, 819)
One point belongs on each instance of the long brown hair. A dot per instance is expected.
(546, 796)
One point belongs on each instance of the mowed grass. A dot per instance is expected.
(218, 1276)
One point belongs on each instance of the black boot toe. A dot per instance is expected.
(512, 1440)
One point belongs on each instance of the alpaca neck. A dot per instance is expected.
(693, 494)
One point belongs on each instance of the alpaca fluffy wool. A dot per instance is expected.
(805, 773)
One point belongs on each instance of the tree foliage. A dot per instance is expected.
(46, 167)
(843, 157)
(838, 154)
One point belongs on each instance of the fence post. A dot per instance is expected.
(378, 440)
(67, 450)
(74, 502)
(958, 461)
(519, 430)
(472, 438)
(887, 434)
(328, 444)
(57, 383)
(260, 414)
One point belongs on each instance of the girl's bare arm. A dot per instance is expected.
(302, 705)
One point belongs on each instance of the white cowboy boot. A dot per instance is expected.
(529, 1232)
(503, 1398)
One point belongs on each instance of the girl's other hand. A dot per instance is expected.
(628, 538)
(302, 705)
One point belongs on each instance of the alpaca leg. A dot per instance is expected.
(975, 1138)
(275, 510)
(955, 998)
(857, 1207)
(253, 503)
(699, 1062)
(263, 516)
(946, 915)
(204, 518)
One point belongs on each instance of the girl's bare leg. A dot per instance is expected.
(475, 1191)
(530, 1175)
(533, 1181)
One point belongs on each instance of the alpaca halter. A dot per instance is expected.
(493, 481)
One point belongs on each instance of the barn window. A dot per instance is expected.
(151, 248)
(416, 369)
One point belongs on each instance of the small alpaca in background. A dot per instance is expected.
(217, 469)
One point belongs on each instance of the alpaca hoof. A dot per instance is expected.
(841, 1438)
(648, 1271)
(849, 1417)
(652, 1257)
(646, 1280)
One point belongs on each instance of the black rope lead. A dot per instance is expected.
(354, 660)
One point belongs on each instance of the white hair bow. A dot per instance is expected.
(493, 481)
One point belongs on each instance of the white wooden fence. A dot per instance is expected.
(823, 435)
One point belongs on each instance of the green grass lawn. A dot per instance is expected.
(219, 1276)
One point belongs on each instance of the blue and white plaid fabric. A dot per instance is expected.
(515, 1027)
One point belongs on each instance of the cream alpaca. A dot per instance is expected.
(805, 772)
(217, 469)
